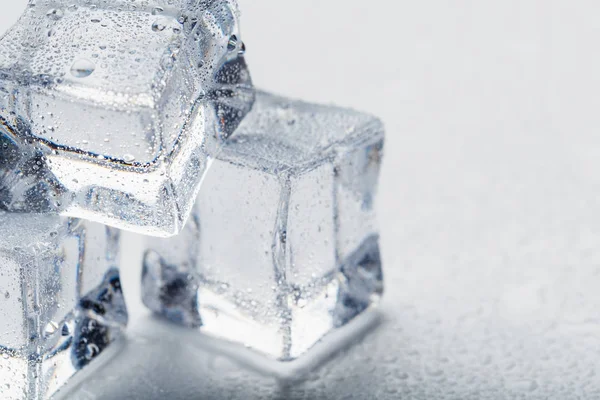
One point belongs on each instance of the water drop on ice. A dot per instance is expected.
(232, 45)
(162, 23)
(158, 26)
(55, 14)
(82, 68)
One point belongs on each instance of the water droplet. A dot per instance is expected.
(159, 25)
(391, 390)
(402, 375)
(55, 14)
(157, 10)
(6, 295)
(242, 49)
(82, 68)
(128, 158)
(232, 44)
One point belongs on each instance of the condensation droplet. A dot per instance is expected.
(232, 44)
(82, 68)
(55, 14)
(128, 158)
(159, 25)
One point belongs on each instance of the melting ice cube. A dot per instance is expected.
(282, 246)
(111, 110)
(61, 303)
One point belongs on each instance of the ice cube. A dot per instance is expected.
(119, 105)
(282, 246)
(61, 303)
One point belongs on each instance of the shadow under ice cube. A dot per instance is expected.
(119, 106)
(282, 246)
(61, 303)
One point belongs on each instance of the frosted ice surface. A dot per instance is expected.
(111, 110)
(282, 246)
(61, 303)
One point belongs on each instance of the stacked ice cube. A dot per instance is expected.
(281, 246)
(123, 103)
(111, 113)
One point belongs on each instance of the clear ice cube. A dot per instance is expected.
(118, 106)
(282, 246)
(61, 303)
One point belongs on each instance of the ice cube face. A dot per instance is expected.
(61, 303)
(122, 104)
(282, 246)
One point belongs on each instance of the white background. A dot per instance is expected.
(489, 201)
